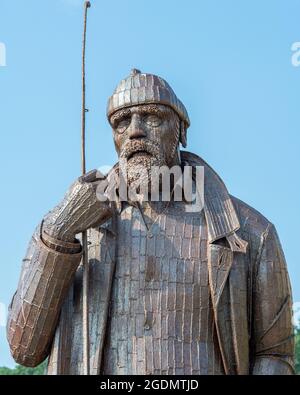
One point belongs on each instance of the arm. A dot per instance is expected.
(51, 261)
(34, 311)
(273, 340)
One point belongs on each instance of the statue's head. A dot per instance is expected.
(149, 122)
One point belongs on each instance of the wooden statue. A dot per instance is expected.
(171, 291)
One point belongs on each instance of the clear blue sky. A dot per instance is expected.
(228, 61)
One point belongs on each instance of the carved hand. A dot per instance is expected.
(79, 210)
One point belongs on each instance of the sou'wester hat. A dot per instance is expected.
(141, 88)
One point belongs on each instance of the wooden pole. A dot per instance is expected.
(85, 262)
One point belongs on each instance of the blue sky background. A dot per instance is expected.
(228, 61)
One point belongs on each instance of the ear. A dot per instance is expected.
(183, 133)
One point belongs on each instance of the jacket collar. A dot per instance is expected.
(222, 222)
(221, 216)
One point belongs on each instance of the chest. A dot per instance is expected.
(169, 233)
(160, 303)
(161, 260)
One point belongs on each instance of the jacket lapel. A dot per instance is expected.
(219, 264)
(223, 245)
(220, 261)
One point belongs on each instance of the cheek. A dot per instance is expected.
(159, 134)
(167, 136)
(118, 140)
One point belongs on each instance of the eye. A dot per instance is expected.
(122, 124)
(152, 120)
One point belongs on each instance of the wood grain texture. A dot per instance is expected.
(161, 301)
(168, 291)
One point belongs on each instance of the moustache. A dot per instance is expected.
(142, 147)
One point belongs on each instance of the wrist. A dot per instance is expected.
(59, 245)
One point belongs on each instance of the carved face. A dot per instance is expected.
(146, 135)
(151, 123)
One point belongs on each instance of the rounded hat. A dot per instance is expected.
(141, 88)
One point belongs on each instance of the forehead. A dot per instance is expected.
(141, 109)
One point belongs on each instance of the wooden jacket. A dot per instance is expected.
(249, 287)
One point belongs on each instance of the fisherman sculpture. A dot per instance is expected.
(171, 291)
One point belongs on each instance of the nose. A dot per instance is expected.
(135, 128)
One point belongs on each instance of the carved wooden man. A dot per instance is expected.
(170, 291)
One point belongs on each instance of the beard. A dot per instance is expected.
(137, 159)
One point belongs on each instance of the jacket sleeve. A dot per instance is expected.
(273, 339)
(34, 311)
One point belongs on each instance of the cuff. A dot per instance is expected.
(64, 247)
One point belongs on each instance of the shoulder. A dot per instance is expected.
(249, 216)
(214, 185)
(254, 227)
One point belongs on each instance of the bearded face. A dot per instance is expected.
(145, 136)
